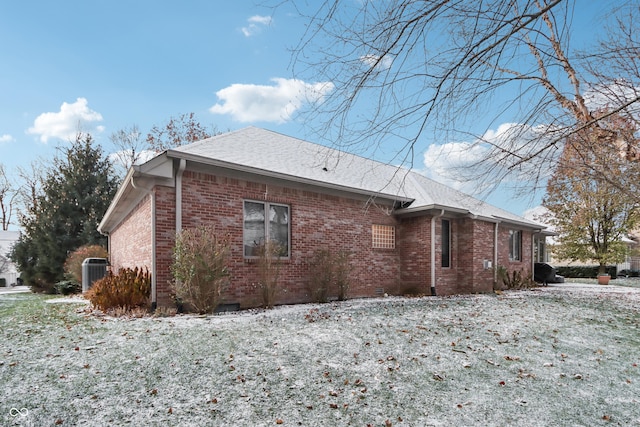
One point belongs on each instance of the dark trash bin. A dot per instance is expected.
(93, 269)
(544, 273)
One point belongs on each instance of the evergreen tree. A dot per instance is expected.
(75, 195)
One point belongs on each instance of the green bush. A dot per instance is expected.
(3, 282)
(68, 287)
(128, 289)
(585, 271)
(199, 269)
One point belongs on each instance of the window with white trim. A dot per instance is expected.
(265, 222)
(383, 236)
(515, 245)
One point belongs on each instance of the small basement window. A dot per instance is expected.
(383, 236)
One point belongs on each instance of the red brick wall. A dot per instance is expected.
(130, 243)
(317, 221)
(165, 239)
(415, 253)
(472, 242)
(526, 250)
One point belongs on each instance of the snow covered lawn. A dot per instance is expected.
(563, 355)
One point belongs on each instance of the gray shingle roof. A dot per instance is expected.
(263, 151)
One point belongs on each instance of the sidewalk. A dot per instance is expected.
(14, 289)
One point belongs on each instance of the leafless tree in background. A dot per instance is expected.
(32, 180)
(8, 197)
(178, 131)
(130, 146)
(411, 71)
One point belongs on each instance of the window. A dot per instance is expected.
(539, 248)
(383, 236)
(515, 245)
(265, 222)
(446, 243)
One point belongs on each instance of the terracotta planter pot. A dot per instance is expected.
(603, 279)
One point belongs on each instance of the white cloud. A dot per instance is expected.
(612, 95)
(375, 61)
(6, 138)
(495, 155)
(276, 103)
(256, 24)
(443, 163)
(66, 123)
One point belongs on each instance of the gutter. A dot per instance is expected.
(495, 254)
(433, 251)
(154, 289)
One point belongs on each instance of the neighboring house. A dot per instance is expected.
(405, 232)
(8, 270)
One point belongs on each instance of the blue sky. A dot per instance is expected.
(107, 65)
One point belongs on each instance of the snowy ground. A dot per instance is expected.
(563, 355)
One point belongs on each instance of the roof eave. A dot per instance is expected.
(437, 208)
(431, 209)
(115, 202)
(286, 177)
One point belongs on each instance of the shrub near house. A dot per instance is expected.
(128, 289)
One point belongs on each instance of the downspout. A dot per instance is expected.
(433, 251)
(154, 290)
(179, 172)
(495, 254)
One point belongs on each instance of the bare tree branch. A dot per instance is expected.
(419, 73)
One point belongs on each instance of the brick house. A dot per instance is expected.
(405, 232)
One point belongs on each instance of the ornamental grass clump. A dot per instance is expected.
(516, 279)
(126, 290)
(199, 269)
